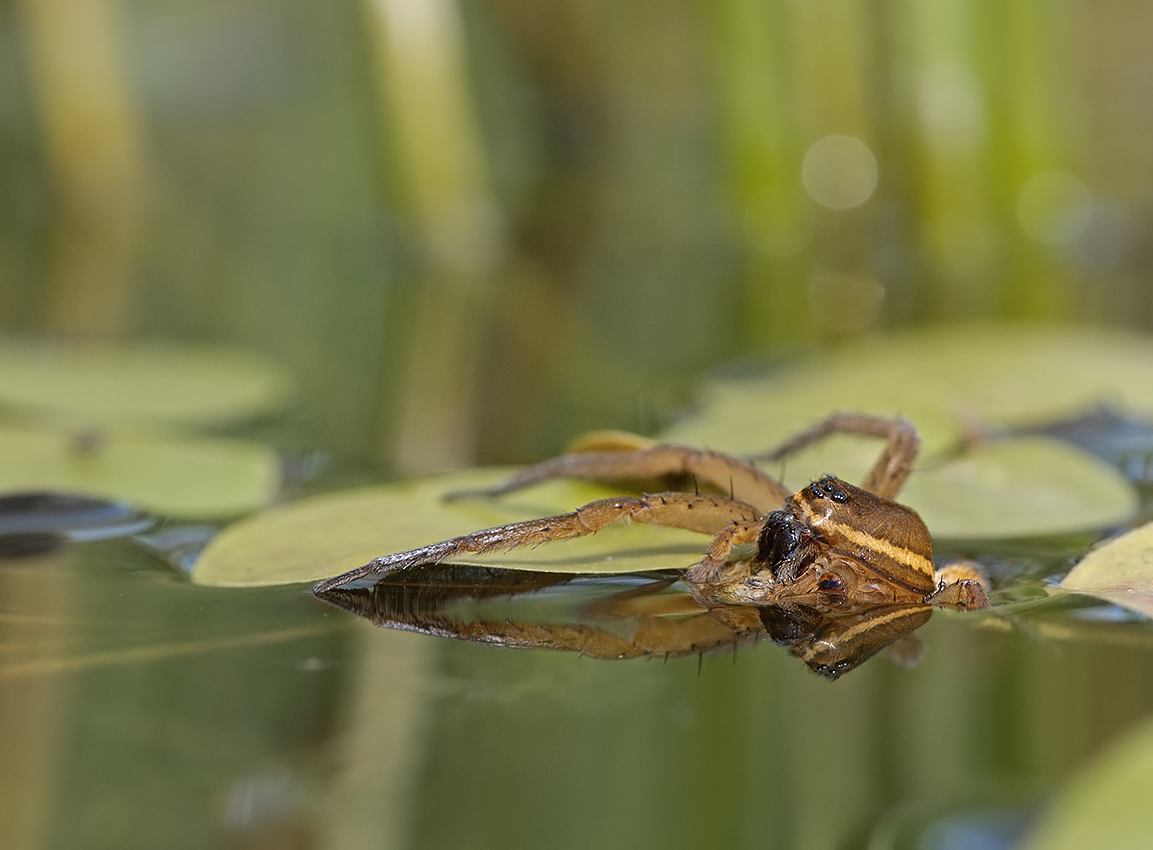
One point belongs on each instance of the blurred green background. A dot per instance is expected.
(472, 230)
(476, 228)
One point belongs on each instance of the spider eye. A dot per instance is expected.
(831, 584)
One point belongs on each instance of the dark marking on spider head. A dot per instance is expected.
(786, 545)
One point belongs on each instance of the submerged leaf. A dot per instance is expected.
(20, 667)
(330, 534)
(1121, 571)
(167, 383)
(174, 476)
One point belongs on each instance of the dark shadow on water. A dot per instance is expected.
(40, 522)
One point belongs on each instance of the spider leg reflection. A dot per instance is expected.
(619, 616)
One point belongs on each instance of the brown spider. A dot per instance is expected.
(831, 541)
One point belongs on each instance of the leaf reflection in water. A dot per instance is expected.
(624, 616)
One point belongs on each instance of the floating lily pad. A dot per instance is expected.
(1121, 571)
(1106, 804)
(948, 381)
(165, 383)
(750, 417)
(330, 534)
(1027, 487)
(183, 477)
(1015, 375)
(942, 378)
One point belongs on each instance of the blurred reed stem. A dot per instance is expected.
(764, 146)
(1031, 92)
(968, 103)
(90, 124)
(35, 712)
(956, 217)
(419, 65)
(387, 707)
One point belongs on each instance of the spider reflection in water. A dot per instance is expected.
(624, 616)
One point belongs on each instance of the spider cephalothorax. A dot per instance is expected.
(889, 539)
(886, 541)
(838, 542)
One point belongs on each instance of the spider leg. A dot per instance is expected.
(706, 514)
(963, 595)
(891, 469)
(962, 571)
(663, 625)
(655, 636)
(961, 585)
(730, 474)
(736, 542)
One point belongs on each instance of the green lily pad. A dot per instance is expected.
(1014, 375)
(326, 535)
(189, 478)
(947, 381)
(141, 383)
(1120, 571)
(750, 417)
(942, 378)
(1027, 487)
(1106, 804)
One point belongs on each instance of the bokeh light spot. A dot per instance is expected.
(952, 111)
(839, 172)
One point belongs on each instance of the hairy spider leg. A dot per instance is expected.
(730, 474)
(737, 538)
(662, 625)
(673, 638)
(961, 585)
(962, 594)
(705, 514)
(891, 469)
